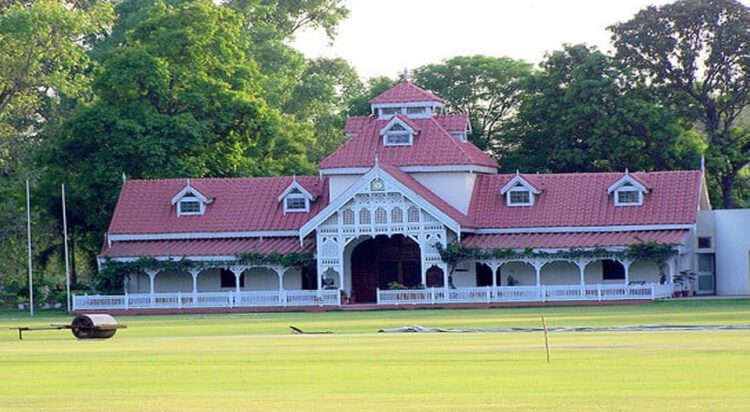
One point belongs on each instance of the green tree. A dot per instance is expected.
(179, 98)
(487, 88)
(699, 51)
(43, 58)
(319, 98)
(584, 112)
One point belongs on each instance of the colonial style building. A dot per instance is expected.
(406, 184)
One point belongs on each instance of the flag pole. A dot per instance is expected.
(28, 230)
(67, 258)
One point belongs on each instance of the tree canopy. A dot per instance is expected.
(178, 98)
(488, 89)
(585, 112)
(699, 52)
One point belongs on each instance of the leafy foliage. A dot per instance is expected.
(699, 52)
(180, 98)
(488, 89)
(456, 252)
(584, 112)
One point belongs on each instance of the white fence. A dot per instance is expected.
(542, 293)
(187, 300)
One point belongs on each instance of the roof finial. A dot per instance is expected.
(377, 160)
(188, 181)
(294, 178)
(405, 75)
(518, 173)
(626, 171)
(124, 178)
(703, 163)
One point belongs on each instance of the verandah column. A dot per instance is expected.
(194, 274)
(151, 279)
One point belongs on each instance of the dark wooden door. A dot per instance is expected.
(378, 262)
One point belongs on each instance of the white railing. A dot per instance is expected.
(187, 300)
(544, 293)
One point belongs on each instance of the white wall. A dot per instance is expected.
(337, 184)
(453, 187)
(209, 280)
(732, 244)
(561, 273)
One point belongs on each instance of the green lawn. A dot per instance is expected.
(251, 362)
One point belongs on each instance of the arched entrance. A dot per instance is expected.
(379, 261)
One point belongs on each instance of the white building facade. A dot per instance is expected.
(370, 229)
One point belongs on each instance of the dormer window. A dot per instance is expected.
(398, 139)
(398, 132)
(628, 191)
(628, 195)
(296, 202)
(295, 198)
(520, 196)
(189, 206)
(190, 202)
(519, 191)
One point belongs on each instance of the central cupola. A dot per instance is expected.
(408, 100)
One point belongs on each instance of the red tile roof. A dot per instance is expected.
(405, 92)
(573, 240)
(206, 247)
(454, 122)
(240, 204)
(413, 184)
(581, 199)
(433, 146)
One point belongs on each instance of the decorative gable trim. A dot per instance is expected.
(364, 184)
(185, 201)
(295, 185)
(398, 120)
(627, 178)
(295, 198)
(518, 179)
(192, 191)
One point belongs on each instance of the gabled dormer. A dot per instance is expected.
(628, 190)
(399, 131)
(190, 202)
(408, 100)
(295, 198)
(520, 191)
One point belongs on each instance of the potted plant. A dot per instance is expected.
(511, 281)
(683, 282)
(343, 296)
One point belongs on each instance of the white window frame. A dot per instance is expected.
(626, 189)
(389, 135)
(516, 189)
(191, 199)
(291, 196)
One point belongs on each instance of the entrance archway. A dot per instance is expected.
(382, 260)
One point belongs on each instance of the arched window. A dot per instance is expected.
(397, 215)
(381, 217)
(364, 216)
(412, 215)
(348, 216)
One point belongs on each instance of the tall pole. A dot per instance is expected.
(67, 258)
(28, 231)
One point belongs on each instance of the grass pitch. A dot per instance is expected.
(252, 362)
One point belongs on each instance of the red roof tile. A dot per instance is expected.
(454, 122)
(240, 204)
(573, 240)
(430, 196)
(433, 146)
(581, 199)
(405, 92)
(206, 247)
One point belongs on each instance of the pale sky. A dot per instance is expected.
(382, 37)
